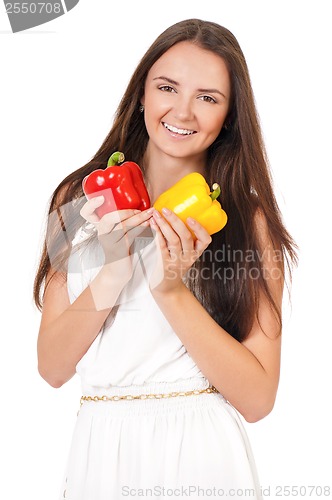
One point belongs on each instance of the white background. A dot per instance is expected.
(60, 84)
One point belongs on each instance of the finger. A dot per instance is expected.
(118, 243)
(159, 236)
(108, 222)
(203, 238)
(134, 232)
(88, 209)
(181, 229)
(135, 217)
(124, 220)
(161, 255)
(171, 238)
(140, 217)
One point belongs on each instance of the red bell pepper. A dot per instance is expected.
(121, 185)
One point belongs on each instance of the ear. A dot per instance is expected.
(142, 100)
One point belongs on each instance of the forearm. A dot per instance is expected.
(63, 342)
(225, 362)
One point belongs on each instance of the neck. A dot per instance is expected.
(163, 171)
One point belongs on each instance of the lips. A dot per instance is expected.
(179, 131)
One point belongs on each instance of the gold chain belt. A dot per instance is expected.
(129, 397)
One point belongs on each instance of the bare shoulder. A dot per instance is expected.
(262, 228)
(260, 219)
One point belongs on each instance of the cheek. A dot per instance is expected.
(157, 104)
(151, 109)
(152, 118)
(213, 124)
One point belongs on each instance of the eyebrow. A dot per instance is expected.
(173, 82)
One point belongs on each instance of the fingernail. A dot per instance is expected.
(191, 221)
(150, 210)
(156, 214)
(166, 211)
(97, 199)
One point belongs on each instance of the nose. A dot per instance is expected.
(183, 108)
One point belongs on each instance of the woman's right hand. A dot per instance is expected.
(116, 232)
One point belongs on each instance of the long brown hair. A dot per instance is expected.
(237, 160)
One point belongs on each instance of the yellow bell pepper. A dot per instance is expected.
(191, 197)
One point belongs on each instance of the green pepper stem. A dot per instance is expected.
(115, 159)
(216, 191)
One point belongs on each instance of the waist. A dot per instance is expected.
(148, 387)
(183, 393)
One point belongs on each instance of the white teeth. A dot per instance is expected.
(178, 130)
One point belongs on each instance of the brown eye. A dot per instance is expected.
(208, 98)
(166, 88)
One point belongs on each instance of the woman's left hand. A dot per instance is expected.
(178, 250)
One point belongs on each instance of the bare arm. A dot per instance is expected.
(68, 330)
(247, 374)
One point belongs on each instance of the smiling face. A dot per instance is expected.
(186, 99)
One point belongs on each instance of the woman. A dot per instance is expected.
(140, 307)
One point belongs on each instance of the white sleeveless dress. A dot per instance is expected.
(182, 447)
